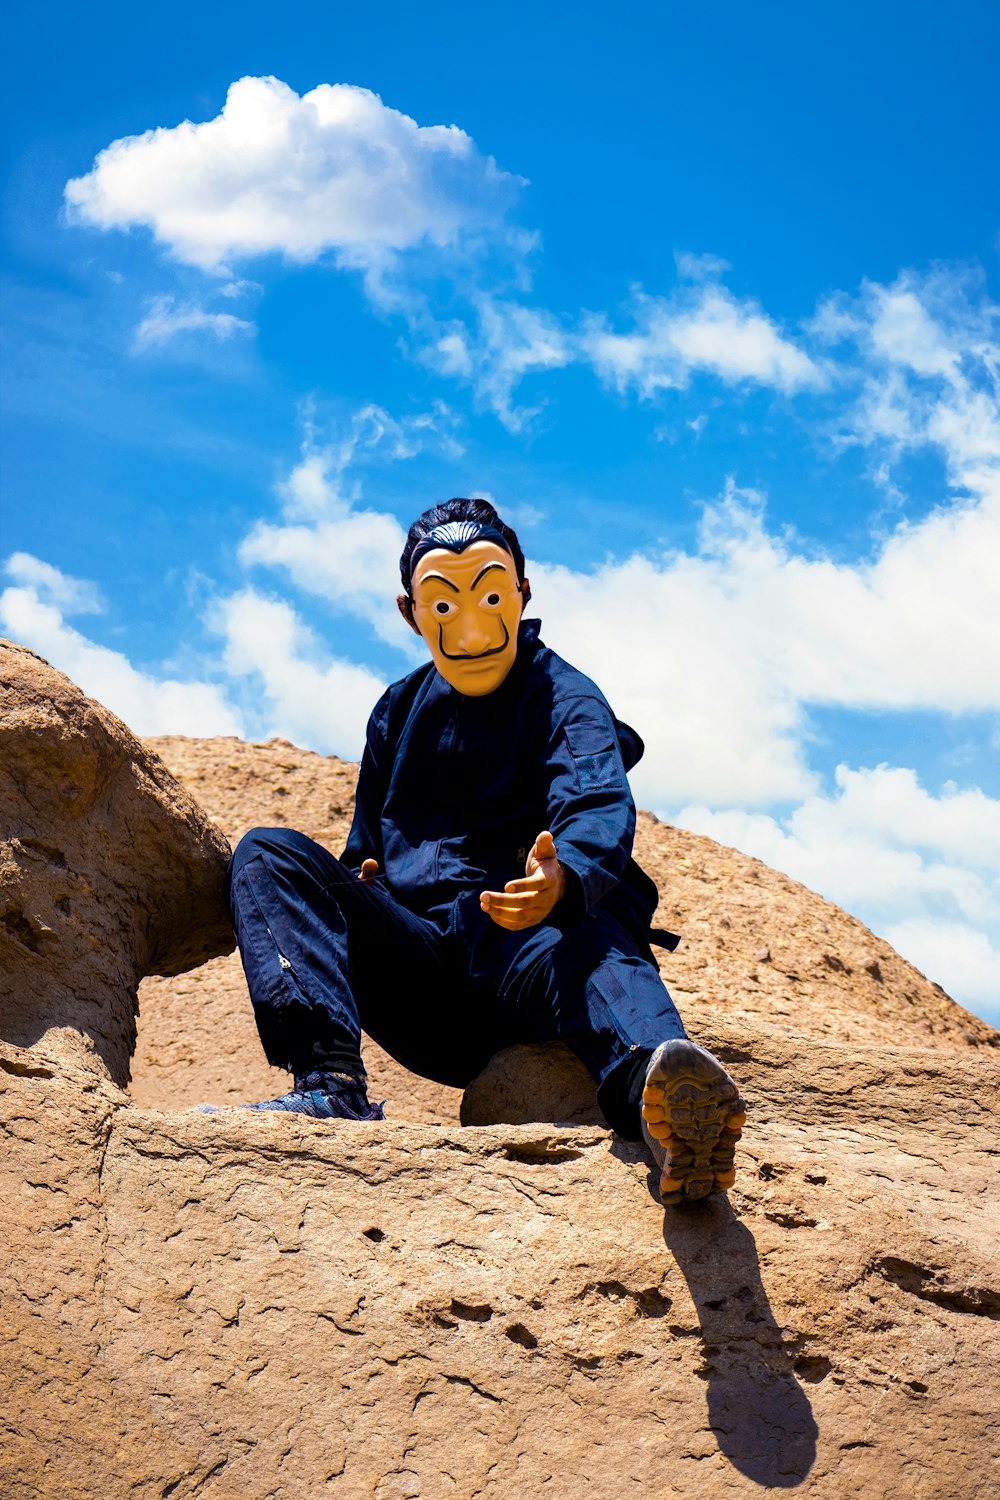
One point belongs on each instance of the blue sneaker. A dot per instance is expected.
(321, 1096)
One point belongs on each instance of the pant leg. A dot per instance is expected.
(326, 954)
(596, 987)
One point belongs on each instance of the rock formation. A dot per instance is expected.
(240, 1306)
(108, 869)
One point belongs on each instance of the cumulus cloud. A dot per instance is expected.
(882, 841)
(704, 327)
(31, 612)
(882, 845)
(334, 171)
(166, 318)
(718, 653)
(304, 693)
(962, 959)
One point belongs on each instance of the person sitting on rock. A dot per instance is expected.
(487, 895)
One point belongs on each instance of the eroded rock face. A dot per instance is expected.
(108, 869)
(247, 1306)
(244, 1305)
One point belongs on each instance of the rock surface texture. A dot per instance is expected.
(108, 869)
(240, 1305)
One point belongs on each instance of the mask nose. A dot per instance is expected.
(472, 637)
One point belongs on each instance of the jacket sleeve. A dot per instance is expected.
(365, 838)
(591, 814)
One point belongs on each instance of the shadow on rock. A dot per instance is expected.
(761, 1418)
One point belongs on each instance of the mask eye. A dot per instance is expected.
(491, 600)
(443, 608)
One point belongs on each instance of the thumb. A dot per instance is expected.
(545, 846)
(369, 869)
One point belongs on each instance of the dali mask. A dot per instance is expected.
(467, 606)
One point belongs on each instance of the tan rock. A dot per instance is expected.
(256, 1307)
(396, 1309)
(108, 869)
(528, 1084)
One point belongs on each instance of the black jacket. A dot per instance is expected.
(453, 791)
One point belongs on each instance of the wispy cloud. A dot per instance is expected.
(73, 596)
(327, 542)
(503, 342)
(303, 692)
(700, 328)
(925, 353)
(166, 318)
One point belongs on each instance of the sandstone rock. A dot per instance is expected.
(242, 1306)
(250, 1307)
(528, 1084)
(108, 869)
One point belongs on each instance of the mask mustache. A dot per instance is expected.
(482, 655)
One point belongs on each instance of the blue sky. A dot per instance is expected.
(704, 299)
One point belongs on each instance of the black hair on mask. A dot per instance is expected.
(456, 524)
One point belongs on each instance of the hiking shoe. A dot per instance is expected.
(692, 1117)
(321, 1096)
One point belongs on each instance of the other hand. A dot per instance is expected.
(528, 901)
(369, 869)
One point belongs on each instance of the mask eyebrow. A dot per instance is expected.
(485, 570)
(442, 579)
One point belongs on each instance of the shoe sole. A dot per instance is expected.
(693, 1109)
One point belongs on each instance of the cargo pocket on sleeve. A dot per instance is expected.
(595, 755)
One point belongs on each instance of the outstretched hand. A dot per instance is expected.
(528, 901)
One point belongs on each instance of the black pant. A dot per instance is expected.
(326, 955)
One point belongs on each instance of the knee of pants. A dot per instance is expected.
(283, 843)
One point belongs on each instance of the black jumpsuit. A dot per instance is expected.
(452, 792)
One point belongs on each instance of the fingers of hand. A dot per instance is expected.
(513, 901)
(530, 884)
(515, 910)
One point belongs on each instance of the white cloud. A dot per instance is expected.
(963, 960)
(75, 596)
(166, 318)
(239, 288)
(881, 843)
(147, 704)
(507, 342)
(663, 639)
(308, 696)
(923, 870)
(702, 328)
(327, 543)
(693, 267)
(333, 171)
(716, 654)
(351, 559)
(929, 353)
